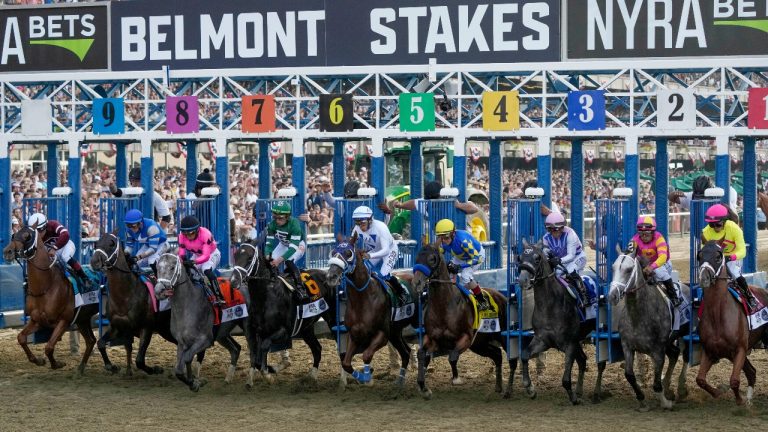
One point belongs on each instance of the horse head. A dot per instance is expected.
(106, 251)
(627, 275)
(533, 264)
(249, 263)
(342, 261)
(429, 264)
(711, 263)
(23, 244)
(169, 271)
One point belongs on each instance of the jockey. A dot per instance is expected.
(380, 247)
(566, 252)
(286, 244)
(730, 237)
(651, 244)
(467, 255)
(145, 240)
(56, 240)
(199, 241)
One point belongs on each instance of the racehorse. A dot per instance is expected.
(368, 315)
(130, 311)
(556, 322)
(645, 326)
(273, 312)
(723, 326)
(50, 299)
(448, 321)
(192, 317)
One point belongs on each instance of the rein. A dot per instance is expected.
(176, 272)
(244, 273)
(111, 259)
(632, 280)
(350, 269)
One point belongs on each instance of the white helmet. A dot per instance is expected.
(37, 219)
(362, 212)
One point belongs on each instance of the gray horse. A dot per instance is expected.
(645, 326)
(192, 319)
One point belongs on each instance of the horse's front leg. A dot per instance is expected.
(129, 357)
(462, 344)
(308, 335)
(701, 378)
(658, 387)
(264, 346)
(58, 331)
(145, 337)
(31, 327)
(423, 357)
(346, 361)
(581, 362)
(751, 374)
(405, 355)
(535, 347)
(378, 341)
(629, 374)
(567, 381)
(738, 365)
(672, 352)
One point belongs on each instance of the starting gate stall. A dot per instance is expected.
(698, 209)
(613, 229)
(524, 222)
(112, 210)
(262, 214)
(204, 208)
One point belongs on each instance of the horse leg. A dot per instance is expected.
(581, 362)
(308, 334)
(510, 381)
(658, 387)
(405, 356)
(738, 364)
(494, 354)
(101, 344)
(90, 341)
(464, 342)
(31, 327)
(58, 331)
(701, 378)
(145, 337)
(423, 358)
(629, 374)
(567, 381)
(128, 357)
(346, 362)
(227, 341)
(264, 346)
(378, 341)
(751, 374)
(199, 345)
(536, 346)
(597, 396)
(673, 352)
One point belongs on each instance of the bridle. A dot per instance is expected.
(349, 265)
(245, 273)
(632, 280)
(431, 272)
(705, 265)
(111, 259)
(28, 253)
(176, 273)
(536, 271)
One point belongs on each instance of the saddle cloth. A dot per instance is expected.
(402, 308)
(485, 320)
(758, 316)
(681, 315)
(83, 295)
(590, 309)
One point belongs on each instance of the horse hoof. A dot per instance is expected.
(313, 374)
(682, 395)
(196, 366)
(507, 394)
(576, 401)
(426, 394)
(269, 378)
(40, 361)
(155, 370)
(530, 393)
(112, 369)
(57, 364)
(230, 374)
(285, 364)
(400, 381)
(643, 407)
(458, 381)
(128, 372)
(195, 386)
(670, 395)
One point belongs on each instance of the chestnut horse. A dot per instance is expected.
(448, 321)
(723, 326)
(50, 299)
(368, 316)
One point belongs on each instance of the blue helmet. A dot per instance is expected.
(133, 216)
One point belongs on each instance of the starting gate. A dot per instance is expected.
(613, 229)
(524, 222)
(112, 212)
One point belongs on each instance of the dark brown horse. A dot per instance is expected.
(130, 310)
(723, 326)
(368, 314)
(449, 318)
(50, 299)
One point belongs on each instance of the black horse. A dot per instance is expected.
(275, 317)
(556, 321)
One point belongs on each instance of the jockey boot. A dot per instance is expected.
(746, 292)
(300, 291)
(153, 266)
(398, 288)
(85, 283)
(669, 287)
(215, 287)
(576, 281)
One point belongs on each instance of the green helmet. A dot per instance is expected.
(281, 207)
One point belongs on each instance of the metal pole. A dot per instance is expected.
(661, 187)
(577, 187)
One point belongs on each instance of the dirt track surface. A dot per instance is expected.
(37, 398)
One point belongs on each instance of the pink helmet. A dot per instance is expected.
(716, 213)
(646, 223)
(554, 220)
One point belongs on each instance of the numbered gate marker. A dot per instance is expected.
(758, 108)
(182, 114)
(501, 111)
(586, 110)
(108, 116)
(676, 109)
(336, 113)
(36, 117)
(417, 112)
(258, 114)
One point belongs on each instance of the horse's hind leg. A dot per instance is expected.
(308, 335)
(101, 344)
(90, 341)
(378, 341)
(629, 374)
(567, 382)
(738, 363)
(234, 348)
(145, 337)
(658, 387)
(61, 326)
(31, 327)
(535, 347)
(598, 395)
(129, 358)
(405, 356)
(581, 362)
(494, 354)
(751, 374)
(701, 378)
(673, 352)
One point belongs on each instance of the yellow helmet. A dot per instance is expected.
(444, 227)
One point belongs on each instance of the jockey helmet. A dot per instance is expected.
(444, 227)
(133, 216)
(432, 190)
(282, 207)
(39, 220)
(134, 174)
(554, 219)
(362, 212)
(700, 185)
(646, 223)
(189, 224)
(716, 213)
(350, 189)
